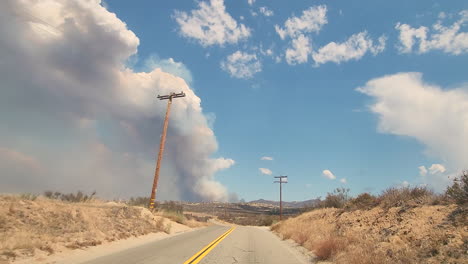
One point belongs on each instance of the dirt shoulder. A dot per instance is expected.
(35, 230)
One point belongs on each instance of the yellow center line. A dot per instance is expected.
(202, 253)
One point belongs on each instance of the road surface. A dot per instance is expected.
(213, 244)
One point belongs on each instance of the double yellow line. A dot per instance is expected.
(202, 253)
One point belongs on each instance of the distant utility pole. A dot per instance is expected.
(282, 179)
(161, 144)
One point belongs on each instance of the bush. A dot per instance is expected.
(79, 197)
(364, 201)
(139, 201)
(174, 216)
(459, 189)
(337, 199)
(406, 196)
(327, 248)
(171, 206)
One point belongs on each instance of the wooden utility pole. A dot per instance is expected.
(161, 144)
(282, 179)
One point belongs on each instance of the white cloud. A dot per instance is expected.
(448, 39)
(301, 48)
(210, 24)
(169, 66)
(436, 117)
(436, 168)
(343, 180)
(266, 11)
(251, 2)
(266, 158)
(422, 170)
(81, 99)
(355, 47)
(405, 184)
(312, 20)
(241, 65)
(328, 174)
(265, 171)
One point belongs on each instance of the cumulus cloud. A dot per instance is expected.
(354, 48)
(266, 158)
(85, 117)
(328, 174)
(311, 20)
(241, 65)
(210, 24)
(266, 11)
(437, 168)
(265, 171)
(449, 39)
(300, 50)
(251, 2)
(436, 117)
(343, 180)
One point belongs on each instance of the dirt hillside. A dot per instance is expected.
(31, 227)
(425, 234)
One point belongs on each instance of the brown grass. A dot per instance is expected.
(423, 234)
(30, 225)
(326, 248)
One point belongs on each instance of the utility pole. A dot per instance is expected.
(282, 179)
(161, 144)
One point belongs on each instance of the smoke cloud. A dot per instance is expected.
(75, 117)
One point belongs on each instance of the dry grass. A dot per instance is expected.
(30, 225)
(328, 247)
(423, 234)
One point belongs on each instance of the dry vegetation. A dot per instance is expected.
(402, 225)
(31, 224)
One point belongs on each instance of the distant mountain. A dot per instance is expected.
(293, 204)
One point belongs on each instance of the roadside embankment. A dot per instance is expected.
(419, 234)
(38, 226)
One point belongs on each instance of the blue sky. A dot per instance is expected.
(351, 105)
(307, 118)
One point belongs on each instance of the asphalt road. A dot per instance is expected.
(241, 245)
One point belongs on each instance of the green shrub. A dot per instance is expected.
(459, 189)
(79, 197)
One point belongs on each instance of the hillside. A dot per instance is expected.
(37, 226)
(293, 204)
(418, 234)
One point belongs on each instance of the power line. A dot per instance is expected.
(282, 179)
(161, 144)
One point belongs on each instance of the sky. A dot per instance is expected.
(363, 96)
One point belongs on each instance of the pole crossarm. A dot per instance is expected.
(171, 95)
(161, 144)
